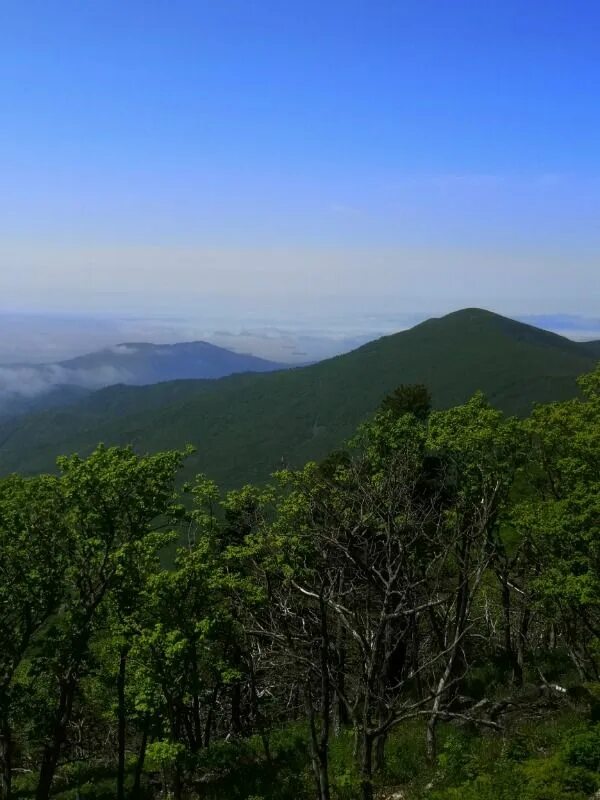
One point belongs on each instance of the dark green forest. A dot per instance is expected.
(246, 426)
(415, 615)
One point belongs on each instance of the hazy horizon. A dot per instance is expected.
(34, 337)
(177, 158)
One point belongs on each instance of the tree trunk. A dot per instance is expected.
(506, 609)
(340, 712)
(175, 772)
(319, 755)
(366, 768)
(432, 738)
(319, 739)
(523, 630)
(380, 752)
(258, 720)
(139, 766)
(177, 783)
(196, 744)
(314, 759)
(323, 742)
(52, 749)
(210, 716)
(323, 779)
(437, 702)
(47, 770)
(236, 695)
(6, 749)
(236, 708)
(122, 723)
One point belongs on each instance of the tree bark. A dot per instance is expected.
(319, 739)
(52, 749)
(122, 723)
(508, 639)
(6, 749)
(210, 716)
(236, 709)
(366, 767)
(521, 644)
(196, 743)
(319, 758)
(139, 766)
(380, 752)
(323, 742)
(177, 783)
(259, 722)
(237, 725)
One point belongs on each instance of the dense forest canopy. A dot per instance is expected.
(417, 615)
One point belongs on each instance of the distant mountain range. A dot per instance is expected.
(246, 426)
(34, 387)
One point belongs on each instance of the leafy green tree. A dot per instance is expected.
(32, 565)
(560, 520)
(485, 454)
(138, 564)
(481, 454)
(409, 399)
(181, 651)
(356, 562)
(113, 501)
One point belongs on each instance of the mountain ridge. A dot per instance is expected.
(246, 425)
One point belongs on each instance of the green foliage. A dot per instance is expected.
(562, 765)
(163, 755)
(583, 750)
(237, 769)
(414, 399)
(560, 519)
(440, 573)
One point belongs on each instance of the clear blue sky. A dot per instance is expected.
(396, 155)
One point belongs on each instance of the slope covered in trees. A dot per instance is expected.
(417, 615)
(246, 426)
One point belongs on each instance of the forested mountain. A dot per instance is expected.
(142, 363)
(14, 404)
(31, 387)
(246, 426)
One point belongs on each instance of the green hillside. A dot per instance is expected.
(246, 426)
(593, 348)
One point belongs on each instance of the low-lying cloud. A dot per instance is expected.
(29, 381)
(124, 350)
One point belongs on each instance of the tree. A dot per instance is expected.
(138, 565)
(409, 399)
(370, 549)
(113, 501)
(32, 544)
(482, 453)
(560, 520)
(181, 652)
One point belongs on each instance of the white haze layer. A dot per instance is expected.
(27, 340)
(30, 380)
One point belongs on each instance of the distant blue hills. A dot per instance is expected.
(34, 387)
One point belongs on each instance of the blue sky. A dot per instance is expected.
(382, 156)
